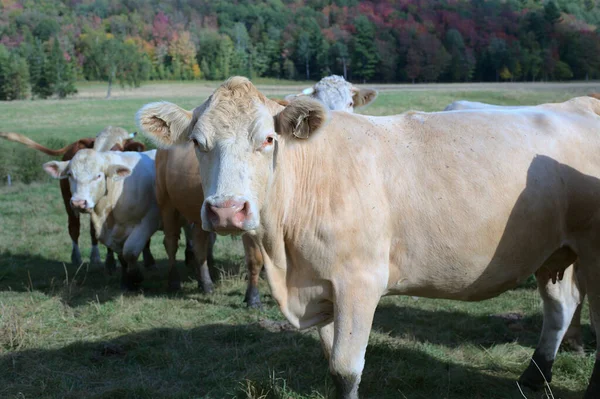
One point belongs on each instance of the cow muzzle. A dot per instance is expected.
(81, 205)
(228, 216)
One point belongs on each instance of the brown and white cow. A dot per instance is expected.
(348, 208)
(111, 138)
(337, 94)
(117, 189)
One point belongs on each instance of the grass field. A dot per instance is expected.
(68, 332)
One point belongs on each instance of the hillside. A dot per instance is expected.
(386, 41)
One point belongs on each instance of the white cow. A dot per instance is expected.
(337, 94)
(348, 208)
(117, 189)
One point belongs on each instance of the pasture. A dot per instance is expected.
(69, 332)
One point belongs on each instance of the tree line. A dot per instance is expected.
(47, 45)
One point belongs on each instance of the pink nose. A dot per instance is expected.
(79, 204)
(228, 215)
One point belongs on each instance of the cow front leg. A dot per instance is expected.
(95, 253)
(326, 334)
(110, 265)
(201, 243)
(149, 262)
(72, 222)
(354, 309)
(573, 339)
(560, 300)
(254, 264)
(189, 245)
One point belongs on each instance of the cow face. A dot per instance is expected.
(235, 133)
(339, 95)
(87, 172)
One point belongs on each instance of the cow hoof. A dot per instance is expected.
(254, 304)
(252, 299)
(76, 258)
(110, 265)
(206, 288)
(95, 256)
(533, 379)
(190, 259)
(134, 278)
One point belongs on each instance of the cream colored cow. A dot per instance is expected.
(117, 189)
(337, 94)
(348, 208)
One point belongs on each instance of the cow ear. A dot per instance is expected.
(301, 118)
(56, 169)
(164, 123)
(118, 172)
(362, 97)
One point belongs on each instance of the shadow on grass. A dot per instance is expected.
(244, 361)
(79, 285)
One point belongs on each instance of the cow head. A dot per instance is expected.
(338, 95)
(235, 134)
(87, 172)
(112, 138)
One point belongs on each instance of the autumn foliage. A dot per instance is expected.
(379, 40)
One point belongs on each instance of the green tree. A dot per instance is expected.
(113, 60)
(58, 72)
(14, 76)
(364, 53)
(462, 62)
(37, 59)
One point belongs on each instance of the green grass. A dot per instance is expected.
(69, 332)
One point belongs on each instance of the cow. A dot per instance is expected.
(110, 138)
(348, 208)
(337, 94)
(180, 196)
(117, 190)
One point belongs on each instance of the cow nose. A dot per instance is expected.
(79, 204)
(228, 215)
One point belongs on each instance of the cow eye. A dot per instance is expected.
(350, 105)
(199, 145)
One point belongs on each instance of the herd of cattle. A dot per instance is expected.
(341, 209)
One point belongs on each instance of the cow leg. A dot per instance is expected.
(189, 247)
(201, 243)
(573, 339)
(110, 265)
(95, 253)
(171, 227)
(352, 320)
(149, 262)
(560, 300)
(73, 223)
(254, 264)
(326, 334)
(127, 282)
(589, 270)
